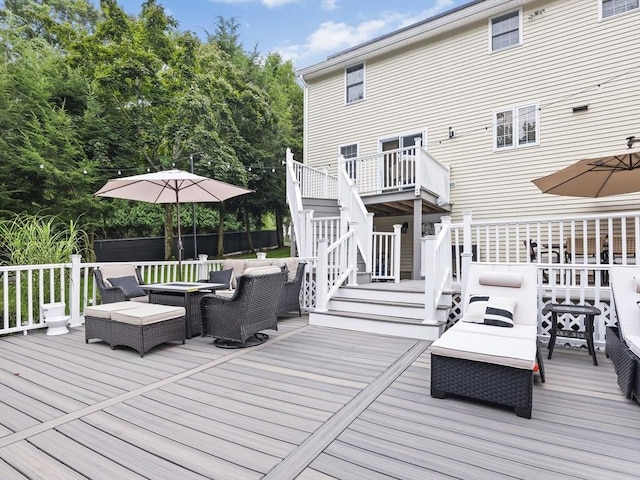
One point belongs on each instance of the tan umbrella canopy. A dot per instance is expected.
(171, 186)
(595, 177)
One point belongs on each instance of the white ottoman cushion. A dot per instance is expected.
(105, 310)
(145, 314)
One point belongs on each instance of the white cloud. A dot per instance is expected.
(329, 4)
(331, 37)
(277, 3)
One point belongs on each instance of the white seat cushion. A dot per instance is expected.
(633, 342)
(528, 332)
(145, 314)
(105, 310)
(495, 349)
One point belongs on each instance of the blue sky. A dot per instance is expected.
(305, 31)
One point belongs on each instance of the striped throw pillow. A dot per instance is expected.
(497, 311)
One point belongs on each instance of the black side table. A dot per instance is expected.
(588, 311)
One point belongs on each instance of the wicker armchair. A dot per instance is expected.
(236, 322)
(290, 296)
(109, 293)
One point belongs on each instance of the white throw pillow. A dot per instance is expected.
(497, 311)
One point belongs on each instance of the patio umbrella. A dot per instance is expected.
(171, 186)
(596, 177)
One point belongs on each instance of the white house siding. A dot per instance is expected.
(453, 81)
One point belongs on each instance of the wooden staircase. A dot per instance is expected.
(385, 308)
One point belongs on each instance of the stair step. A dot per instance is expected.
(380, 324)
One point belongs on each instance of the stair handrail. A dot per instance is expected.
(294, 199)
(337, 263)
(349, 198)
(437, 268)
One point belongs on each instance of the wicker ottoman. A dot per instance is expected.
(136, 325)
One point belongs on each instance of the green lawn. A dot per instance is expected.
(275, 253)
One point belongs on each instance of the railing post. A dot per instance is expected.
(447, 252)
(397, 236)
(344, 221)
(307, 234)
(466, 232)
(322, 275)
(325, 184)
(75, 291)
(417, 181)
(352, 255)
(341, 186)
(202, 265)
(466, 263)
(429, 248)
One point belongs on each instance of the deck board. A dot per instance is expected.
(313, 403)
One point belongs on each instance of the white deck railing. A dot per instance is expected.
(574, 240)
(354, 211)
(400, 169)
(386, 255)
(25, 288)
(337, 264)
(436, 268)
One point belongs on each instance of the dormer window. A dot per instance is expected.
(505, 31)
(354, 81)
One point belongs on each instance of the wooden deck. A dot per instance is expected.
(312, 403)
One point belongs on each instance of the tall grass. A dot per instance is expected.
(36, 240)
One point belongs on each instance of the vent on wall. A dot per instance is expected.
(580, 108)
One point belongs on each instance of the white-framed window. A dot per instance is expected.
(609, 8)
(516, 127)
(354, 83)
(404, 140)
(505, 31)
(350, 152)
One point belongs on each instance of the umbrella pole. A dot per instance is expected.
(179, 240)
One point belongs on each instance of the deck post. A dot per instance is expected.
(322, 276)
(417, 181)
(202, 266)
(466, 232)
(397, 236)
(430, 261)
(74, 291)
(352, 255)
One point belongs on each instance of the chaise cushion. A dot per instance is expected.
(146, 314)
(529, 332)
(494, 349)
(490, 310)
(129, 284)
(105, 310)
(221, 276)
(633, 342)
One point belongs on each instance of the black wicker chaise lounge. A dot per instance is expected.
(491, 354)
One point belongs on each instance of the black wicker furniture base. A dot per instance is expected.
(253, 341)
(625, 363)
(512, 387)
(141, 338)
(193, 322)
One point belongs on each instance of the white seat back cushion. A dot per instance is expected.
(526, 311)
(626, 299)
(117, 271)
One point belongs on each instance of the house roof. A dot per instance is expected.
(445, 22)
